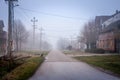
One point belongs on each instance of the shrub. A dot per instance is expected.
(95, 50)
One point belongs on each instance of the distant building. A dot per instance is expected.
(3, 38)
(109, 37)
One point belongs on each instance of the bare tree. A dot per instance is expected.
(89, 34)
(46, 45)
(20, 34)
(62, 43)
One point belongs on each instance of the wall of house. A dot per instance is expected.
(106, 41)
(109, 37)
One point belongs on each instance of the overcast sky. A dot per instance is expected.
(59, 18)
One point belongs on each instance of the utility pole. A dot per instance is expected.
(10, 31)
(41, 35)
(71, 40)
(34, 20)
(10, 26)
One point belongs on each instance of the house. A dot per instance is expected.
(3, 38)
(99, 20)
(109, 37)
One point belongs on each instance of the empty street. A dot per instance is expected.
(61, 67)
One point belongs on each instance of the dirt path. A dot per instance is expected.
(61, 67)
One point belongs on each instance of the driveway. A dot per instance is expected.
(61, 67)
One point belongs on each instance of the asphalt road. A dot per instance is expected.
(61, 67)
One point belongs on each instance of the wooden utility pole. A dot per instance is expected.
(34, 20)
(10, 26)
(10, 31)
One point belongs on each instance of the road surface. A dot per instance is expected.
(61, 67)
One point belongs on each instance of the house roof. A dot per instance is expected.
(115, 18)
(1, 24)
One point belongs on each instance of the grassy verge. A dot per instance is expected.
(24, 71)
(72, 52)
(34, 53)
(111, 63)
(4, 66)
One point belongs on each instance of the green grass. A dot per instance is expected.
(24, 71)
(111, 63)
(35, 52)
(4, 66)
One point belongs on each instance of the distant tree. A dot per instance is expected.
(62, 44)
(46, 45)
(20, 34)
(89, 34)
(69, 47)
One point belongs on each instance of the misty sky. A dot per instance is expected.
(59, 18)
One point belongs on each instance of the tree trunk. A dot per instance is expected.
(87, 44)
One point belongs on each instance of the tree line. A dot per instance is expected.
(22, 38)
(86, 39)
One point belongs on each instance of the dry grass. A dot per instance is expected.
(24, 71)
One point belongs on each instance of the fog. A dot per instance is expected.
(58, 18)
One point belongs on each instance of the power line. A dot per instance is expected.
(24, 13)
(51, 14)
(21, 14)
(54, 31)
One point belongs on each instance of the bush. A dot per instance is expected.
(95, 50)
(24, 71)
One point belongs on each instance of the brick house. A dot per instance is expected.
(3, 38)
(99, 20)
(109, 37)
